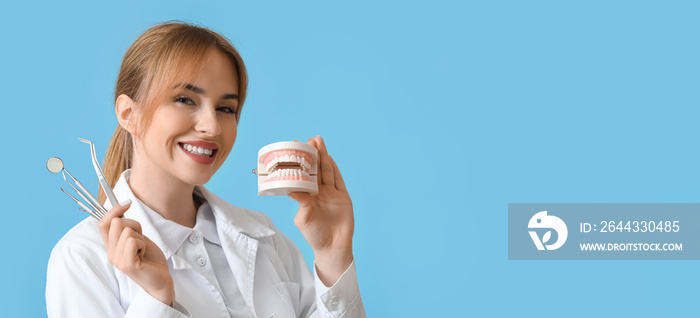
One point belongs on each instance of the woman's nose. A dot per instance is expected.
(207, 122)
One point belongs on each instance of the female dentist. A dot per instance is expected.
(180, 250)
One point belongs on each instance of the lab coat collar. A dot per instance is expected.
(206, 224)
(232, 218)
(226, 214)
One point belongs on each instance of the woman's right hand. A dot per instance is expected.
(136, 255)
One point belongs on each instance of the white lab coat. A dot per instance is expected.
(270, 271)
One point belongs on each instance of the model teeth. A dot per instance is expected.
(288, 165)
(288, 173)
(305, 165)
(198, 150)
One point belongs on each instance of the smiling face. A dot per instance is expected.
(191, 134)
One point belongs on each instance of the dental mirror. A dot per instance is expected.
(54, 164)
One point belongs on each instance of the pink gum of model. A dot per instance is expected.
(287, 178)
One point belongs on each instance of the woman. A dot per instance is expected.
(181, 251)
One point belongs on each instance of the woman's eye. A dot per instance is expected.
(184, 100)
(226, 109)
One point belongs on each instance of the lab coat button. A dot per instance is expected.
(335, 300)
(201, 261)
(194, 238)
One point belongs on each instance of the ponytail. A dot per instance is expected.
(117, 159)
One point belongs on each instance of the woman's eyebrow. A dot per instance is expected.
(195, 89)
(199, 90)
(230, 96)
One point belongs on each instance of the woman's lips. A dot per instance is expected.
(199, 151)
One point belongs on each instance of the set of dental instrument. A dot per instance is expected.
(88, 203)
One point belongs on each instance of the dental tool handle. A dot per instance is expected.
(108, 191)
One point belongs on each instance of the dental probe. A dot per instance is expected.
(103, 181)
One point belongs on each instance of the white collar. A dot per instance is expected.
(206, 223)
(178, 234)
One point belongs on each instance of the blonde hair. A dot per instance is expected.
(152, 66)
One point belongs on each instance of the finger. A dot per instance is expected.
(114, 212)
(339, 183)
(326, 166)
(313, 143)
(117, 227)
(303, 198)
(132, 249)
(125, 257)
(304, 214)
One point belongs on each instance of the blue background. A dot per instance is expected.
(437, 113)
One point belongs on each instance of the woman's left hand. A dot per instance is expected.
(326, 220)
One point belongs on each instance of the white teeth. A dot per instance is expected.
(288, 173)
(198, 150)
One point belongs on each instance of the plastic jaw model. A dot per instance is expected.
(287, 166)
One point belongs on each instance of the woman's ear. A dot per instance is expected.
(126, 113)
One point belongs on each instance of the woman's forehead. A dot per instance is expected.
(215, 70)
